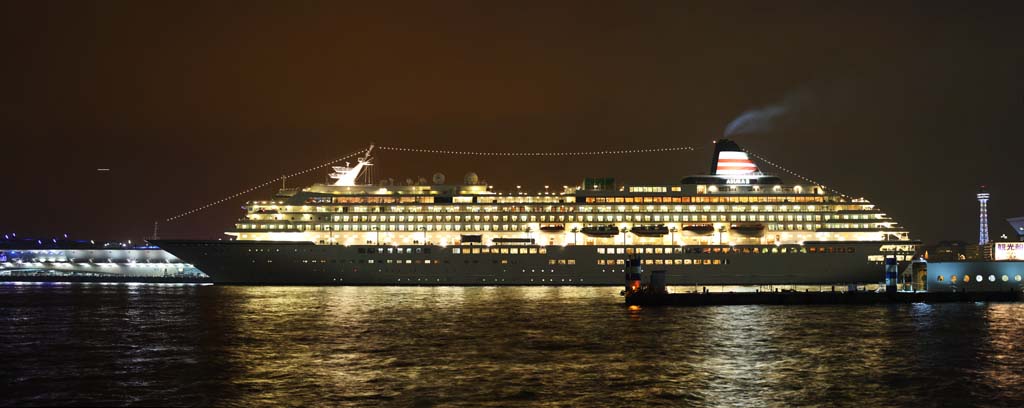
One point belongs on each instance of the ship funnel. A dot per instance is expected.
(730, 159)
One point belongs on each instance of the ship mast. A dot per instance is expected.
(346, 176)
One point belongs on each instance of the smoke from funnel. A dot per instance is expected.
(768, 118)
(756, 121)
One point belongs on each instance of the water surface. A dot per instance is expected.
(370, 346)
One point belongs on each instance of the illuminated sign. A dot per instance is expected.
(737, 181)
(1008, 251)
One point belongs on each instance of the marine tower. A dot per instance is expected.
(983, 197)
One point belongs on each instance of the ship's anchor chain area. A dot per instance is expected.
(475, 153)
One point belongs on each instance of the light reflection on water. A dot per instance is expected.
(239, 346)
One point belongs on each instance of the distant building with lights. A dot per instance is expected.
(947, 251)
(1018, 226)
(987, 266)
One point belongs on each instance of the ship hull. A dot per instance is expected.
(286, 263)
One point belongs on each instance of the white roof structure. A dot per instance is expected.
(346, 176)
(1018, 225)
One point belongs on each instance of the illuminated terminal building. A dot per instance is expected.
(23, 257)
(735, 225)
(993, 266)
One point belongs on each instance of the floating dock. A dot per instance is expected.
(813, 298)
(649, 289)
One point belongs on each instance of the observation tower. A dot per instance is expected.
(983, 216)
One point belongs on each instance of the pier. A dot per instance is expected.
(650, 289)
(813, 298)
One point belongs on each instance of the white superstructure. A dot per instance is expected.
(710, 221)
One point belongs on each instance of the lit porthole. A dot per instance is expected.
(1006, 278)
(979, 278)
(967, 278)
(991, 278)
(1017, 278)
(952, 278)
(939, 278)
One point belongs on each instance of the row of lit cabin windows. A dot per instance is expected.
(564, 262)
(372, 261)
(564, 209)
(572, 218)
(432, 261)
(738, 199)
(663, 217)
(561, 262)
(613, 262)
(881, 258)
(618, 250)
(394, 250)
(511, 251)
(540, 250)
(706, 208)
(431, 200)
(771, 249)
(494, 227)
(417, 261)
(576, 218)
(526, 199)
(602, 262)
(608, 251)
(724, 250)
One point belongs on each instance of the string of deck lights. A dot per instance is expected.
(478, 153)
(791, 172)
(433, 151)
(262, 185)
(540, 154)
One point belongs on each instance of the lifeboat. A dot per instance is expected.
(552, 227)
(601, 231)
(649, 230)
(747, 229)
(702, 229)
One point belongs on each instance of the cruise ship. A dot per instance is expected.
(733, 226)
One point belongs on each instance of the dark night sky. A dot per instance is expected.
(912, 105)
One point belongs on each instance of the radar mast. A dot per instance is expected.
(345, 175)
